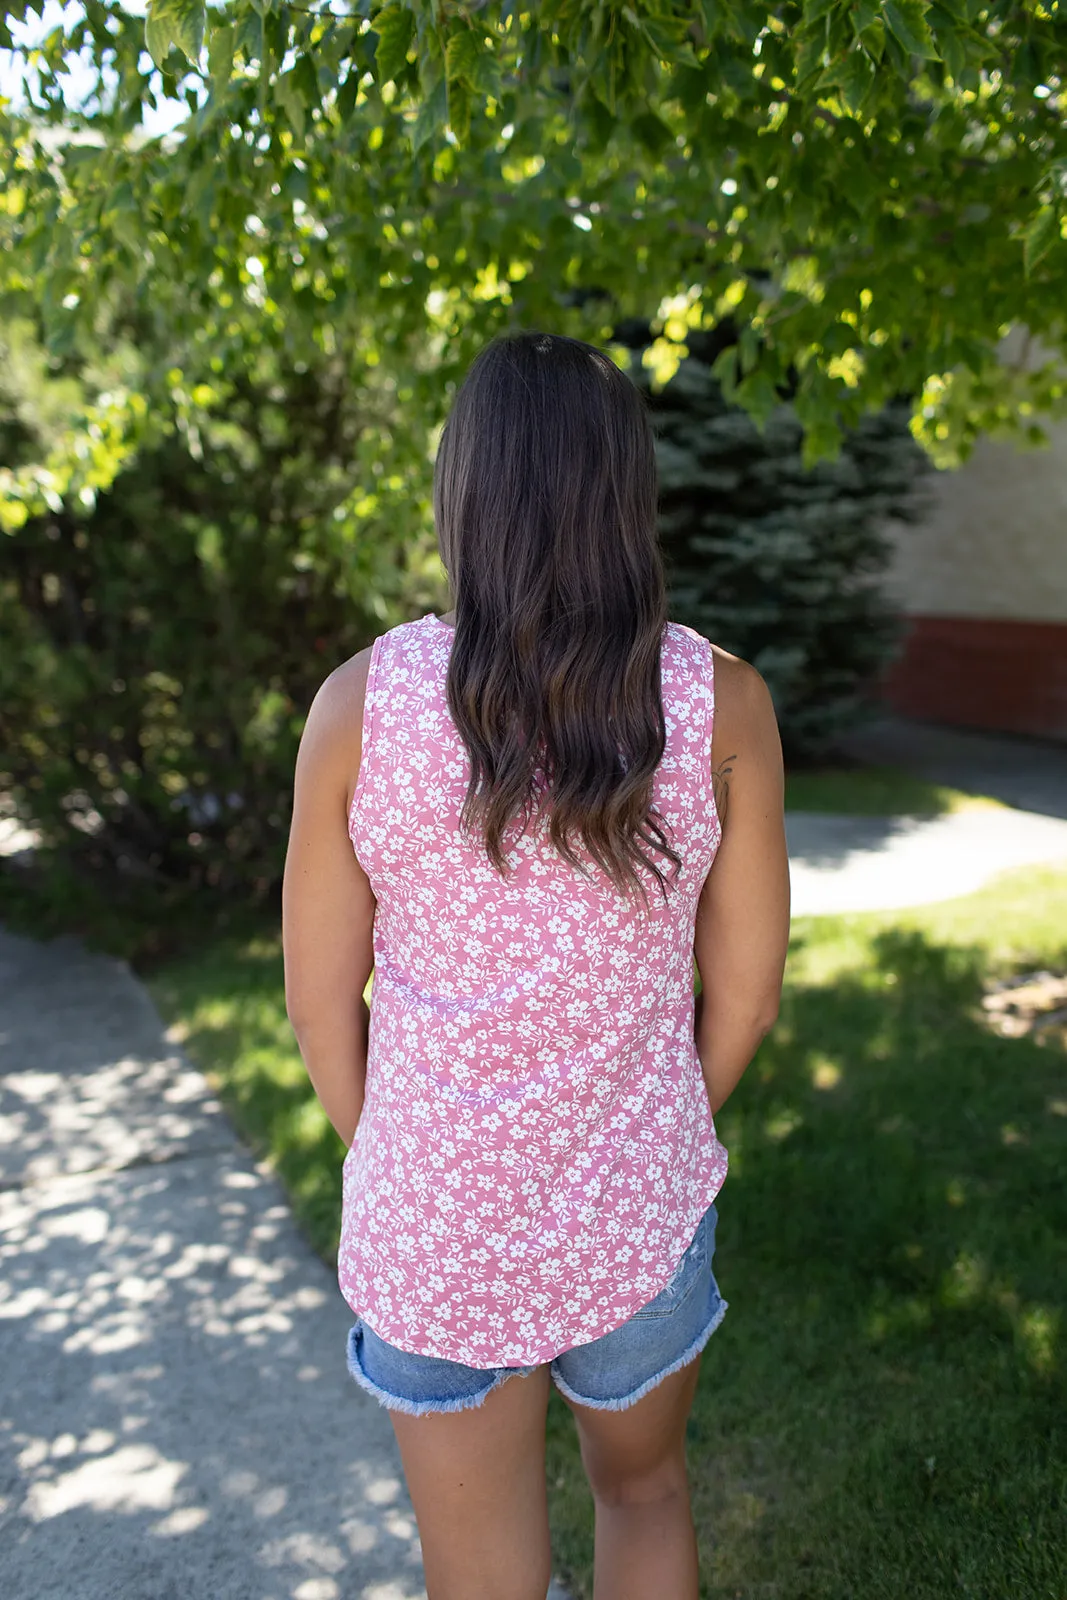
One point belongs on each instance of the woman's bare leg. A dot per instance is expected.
(635, 1462)
(477, 1482)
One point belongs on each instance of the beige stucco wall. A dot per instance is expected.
(994, 543)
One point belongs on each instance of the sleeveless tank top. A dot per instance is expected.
(536, 1147)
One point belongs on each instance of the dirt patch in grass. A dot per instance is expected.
(1032, 1005)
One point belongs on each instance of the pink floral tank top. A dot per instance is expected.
(536, 1146)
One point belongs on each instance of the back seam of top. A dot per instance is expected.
(370, 707)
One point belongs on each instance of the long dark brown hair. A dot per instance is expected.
(545, 503)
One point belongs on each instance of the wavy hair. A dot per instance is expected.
(545, 496)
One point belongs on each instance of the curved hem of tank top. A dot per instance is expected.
(625, 1401)
(625, 1318)
(546, 1360)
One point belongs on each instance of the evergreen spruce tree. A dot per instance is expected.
(778, 564)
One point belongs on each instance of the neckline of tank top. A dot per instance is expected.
(431, 616)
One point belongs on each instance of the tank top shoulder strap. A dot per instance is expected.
(699, 665)
(376, 695)
(696, 669)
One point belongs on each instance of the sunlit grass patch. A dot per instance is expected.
(877, 792)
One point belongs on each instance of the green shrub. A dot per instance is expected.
(162, 646)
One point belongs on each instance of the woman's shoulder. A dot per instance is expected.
(737, 682)
(345, 689)
(737, 679)
(339, 701)
(745, 723)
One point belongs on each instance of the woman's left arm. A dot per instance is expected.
(328, 904)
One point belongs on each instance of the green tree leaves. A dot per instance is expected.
(395, 28)
(174, 22)
(1040, 236)
(457, 168)
(906, 20)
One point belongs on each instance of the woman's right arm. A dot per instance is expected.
(742, 921)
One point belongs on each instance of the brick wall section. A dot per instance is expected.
(983, 672)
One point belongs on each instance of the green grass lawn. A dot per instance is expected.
(883, 1413)
(875, 792)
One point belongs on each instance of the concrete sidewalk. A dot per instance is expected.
(176, 1418)
(839, 864)
(843, 863)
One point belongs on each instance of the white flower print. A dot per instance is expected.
(536, 1147)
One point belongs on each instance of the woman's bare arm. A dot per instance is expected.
(328, 904)
(742, 922)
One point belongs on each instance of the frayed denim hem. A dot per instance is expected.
(628, 1400)
(421, 1408)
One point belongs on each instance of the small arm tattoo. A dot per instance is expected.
(720, 786)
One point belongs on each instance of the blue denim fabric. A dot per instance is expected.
(610, 1373)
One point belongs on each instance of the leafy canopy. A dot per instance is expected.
(873, 190)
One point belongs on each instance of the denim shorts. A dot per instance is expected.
(610, 1373)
